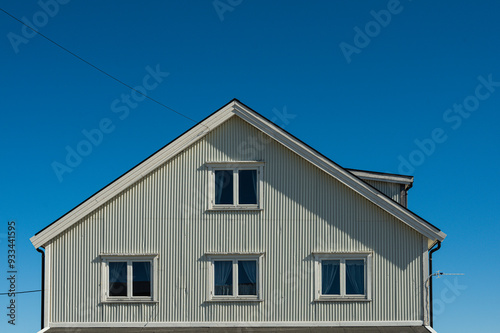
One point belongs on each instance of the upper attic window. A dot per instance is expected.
(235, 185)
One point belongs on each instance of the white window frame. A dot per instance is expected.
(235, 167)
(234, 257)
(342, 257)
(107, 258)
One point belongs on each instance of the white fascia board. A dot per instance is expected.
(137, 173)
(340, 174)
(46, 285)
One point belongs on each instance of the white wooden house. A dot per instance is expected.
(238, 226)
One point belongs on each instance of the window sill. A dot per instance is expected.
(129, 300)
(233, 208)
(235, 299)
(342, 299)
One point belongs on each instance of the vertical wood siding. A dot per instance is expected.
(392, 190)
(305, 211)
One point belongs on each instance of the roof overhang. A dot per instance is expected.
(384, 177)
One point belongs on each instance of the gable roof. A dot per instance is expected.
(197, 132)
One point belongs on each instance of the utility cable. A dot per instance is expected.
(20, 292)
(97, 68)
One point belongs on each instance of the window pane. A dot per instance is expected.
(330, 277)
(355, 277)
(141, 279)
(117, 279)
(247, 184)
(247, 277)
(223, 277)
(223, 187)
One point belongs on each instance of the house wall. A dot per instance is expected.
(305, 211)
(392, 190)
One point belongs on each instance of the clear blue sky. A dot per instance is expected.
(367, 100)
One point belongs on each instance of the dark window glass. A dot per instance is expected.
(223, 187)
(247, 277)
(247, 184)
(117, 279)
(330, 277)
(223, 277)
(355, 277)
(141, 279)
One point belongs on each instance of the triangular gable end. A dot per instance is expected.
(199, 131)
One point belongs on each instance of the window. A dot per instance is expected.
(235, 277)
(343, 276)
(128, 278)
(235, 185)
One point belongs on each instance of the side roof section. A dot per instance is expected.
(383, 177)
(197, 132)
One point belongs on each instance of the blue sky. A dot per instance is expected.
(417, 92)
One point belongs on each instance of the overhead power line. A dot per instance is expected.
(97, 68)
(21, 292)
